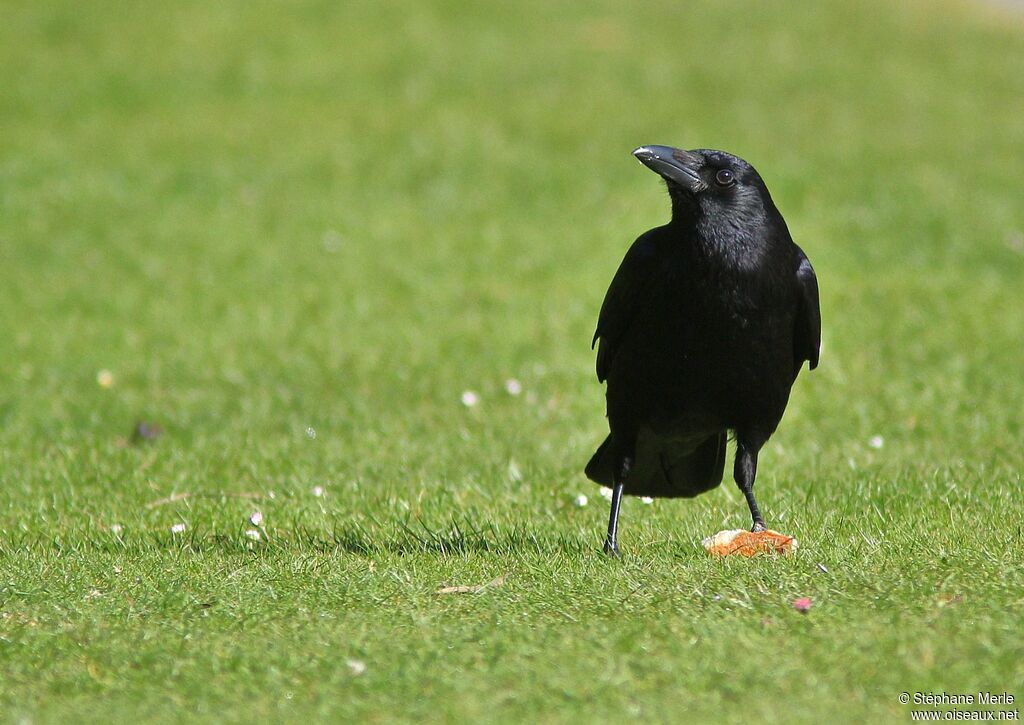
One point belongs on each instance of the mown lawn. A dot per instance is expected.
(295, 234)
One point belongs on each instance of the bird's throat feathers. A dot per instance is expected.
(735, 235)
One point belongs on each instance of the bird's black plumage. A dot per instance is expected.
(703, 331)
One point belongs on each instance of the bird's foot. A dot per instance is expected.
(758, 527)
(611, 548)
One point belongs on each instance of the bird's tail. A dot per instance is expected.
(664, 467)
(601, 468)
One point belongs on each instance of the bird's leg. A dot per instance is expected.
(611, 544)
(744, 472)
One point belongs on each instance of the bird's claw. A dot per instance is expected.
(611, 549)
(758, 527)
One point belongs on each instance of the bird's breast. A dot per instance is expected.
(716, 349)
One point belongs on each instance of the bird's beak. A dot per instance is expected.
(675, 165)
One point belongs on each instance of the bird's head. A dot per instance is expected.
(708, 185)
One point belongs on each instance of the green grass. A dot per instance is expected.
(267, 218)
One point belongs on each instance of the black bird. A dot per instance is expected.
(702, 331)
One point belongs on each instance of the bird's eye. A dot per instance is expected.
(725, 178)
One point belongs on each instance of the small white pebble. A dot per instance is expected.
(318, 491)
(271, 494)
(116, 529)
(876, 442)
(256, 518)
(356, 667)
(646, 499)
(581, 500)
(513, 386)
(469, 398)
(178, 528)
(311, 432)
(253, 534)
(105, 379)
(606, 492)
(331, 240)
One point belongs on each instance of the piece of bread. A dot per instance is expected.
(749, 543)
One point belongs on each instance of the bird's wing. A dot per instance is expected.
(807, 335)
(625, 296)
